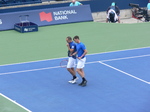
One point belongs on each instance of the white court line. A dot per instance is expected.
(15, 102)
(121, 50)
(31, 70)
(6, 73)
(126, 58)
(66, 57)
(125, 73)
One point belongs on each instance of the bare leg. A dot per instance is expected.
(80, 72)
(72, 71)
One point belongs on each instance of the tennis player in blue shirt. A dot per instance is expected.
(71, 59)
(81, 52)
(75, 3)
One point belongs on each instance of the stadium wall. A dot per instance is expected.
(42, 17)
(96, 5)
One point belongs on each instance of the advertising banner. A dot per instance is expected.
(50, 16)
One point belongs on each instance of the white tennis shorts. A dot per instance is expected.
(71, 62)
(81, 63)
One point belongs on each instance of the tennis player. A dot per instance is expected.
(71, 59)
(81, 52)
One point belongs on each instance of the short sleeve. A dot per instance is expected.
(73, 47)
(83, 47)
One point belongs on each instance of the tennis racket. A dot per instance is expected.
(63, 63)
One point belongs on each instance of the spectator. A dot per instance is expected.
(116, 9)
(112, 16)
(75, 3)
(148, 8)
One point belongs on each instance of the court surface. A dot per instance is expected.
(50, 41)
(117, 82)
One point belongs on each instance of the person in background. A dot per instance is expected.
(116, 9)
(148, 8)
(112, 16)
(75, 3)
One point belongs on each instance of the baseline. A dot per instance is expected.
(101, 61)
(66, 57)
(15, 103)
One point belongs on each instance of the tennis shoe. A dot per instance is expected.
(73, 81)
(83, 83)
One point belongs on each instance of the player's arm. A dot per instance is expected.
(70, 49)
(84, 53)
(74, 53)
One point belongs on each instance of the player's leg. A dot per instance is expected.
(70, 68)
(80, 71)
(71, 65)
(72, 71)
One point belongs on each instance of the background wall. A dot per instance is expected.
(96, 5)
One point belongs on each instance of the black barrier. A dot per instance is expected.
(48, 16)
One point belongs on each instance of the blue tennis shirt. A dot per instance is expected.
(80, 49)
(72, 45)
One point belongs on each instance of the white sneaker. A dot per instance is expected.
(73, 81)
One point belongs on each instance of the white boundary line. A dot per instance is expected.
(6, 73)
(15, 103)
(21, 71)
(126, 58)
(66, 57)
(124, 73)
(121, 50)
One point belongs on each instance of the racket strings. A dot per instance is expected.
(63, 63)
